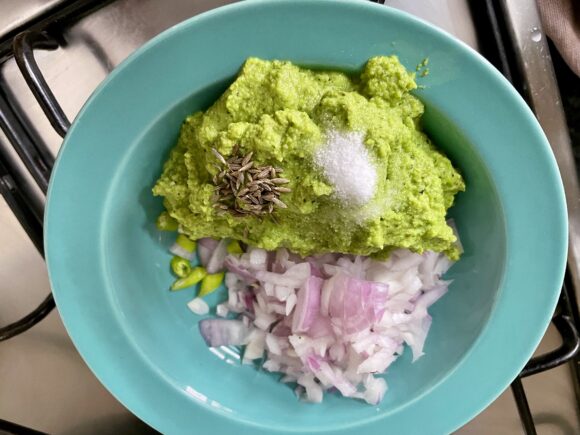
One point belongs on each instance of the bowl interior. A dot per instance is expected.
(166, 333)
(109, 267)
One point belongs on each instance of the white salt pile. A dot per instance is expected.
(347, 165)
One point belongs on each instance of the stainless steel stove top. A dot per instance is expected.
(44, 384)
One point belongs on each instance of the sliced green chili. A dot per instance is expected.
(195, 276)
(180, 266)
(186, 243)
(210, 283)
(234, 247)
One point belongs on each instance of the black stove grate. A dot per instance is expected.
(495, 46)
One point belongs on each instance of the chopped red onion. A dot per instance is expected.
(218, 256)
(331, 322)
(221, 332)
(222, 310)
(258, 258)
(320, 327)
(208, 242)
(375, 389)
(205, 248)
(180, 251)
(198, 306)
(255, 346)
(307, 305)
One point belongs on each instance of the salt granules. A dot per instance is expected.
(347, 165)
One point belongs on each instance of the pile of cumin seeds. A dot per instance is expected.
(244, 189)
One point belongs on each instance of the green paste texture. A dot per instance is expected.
(280, 112)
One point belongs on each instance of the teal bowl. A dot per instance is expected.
(109, 266)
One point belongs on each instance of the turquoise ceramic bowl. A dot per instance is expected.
(109, 267)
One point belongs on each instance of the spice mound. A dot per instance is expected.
(245, 189)
(313, 161)
(347, 165)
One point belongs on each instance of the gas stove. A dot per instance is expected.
(53, 53)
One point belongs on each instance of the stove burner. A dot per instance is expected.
(496, 46)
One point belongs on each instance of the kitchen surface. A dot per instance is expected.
(44, 383)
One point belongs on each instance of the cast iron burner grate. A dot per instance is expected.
(44, 34)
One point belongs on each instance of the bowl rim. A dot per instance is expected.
(451, 386)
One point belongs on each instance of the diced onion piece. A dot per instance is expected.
(234, 265)
(180, 251)
(218, 256)
(258, 258)
(208, 242)
(375, 389)
(222, 310)
(356, 303)
(263, 319)
(290, 303)
(271, 366)
(223, 332)
(205, 248)
(255, 346)
(378, 362)
(198, 306)
(307, 305)
(313, 391)
(273, 344)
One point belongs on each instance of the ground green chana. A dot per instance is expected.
(280, 112)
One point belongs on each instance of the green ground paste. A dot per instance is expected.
(280, 112)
